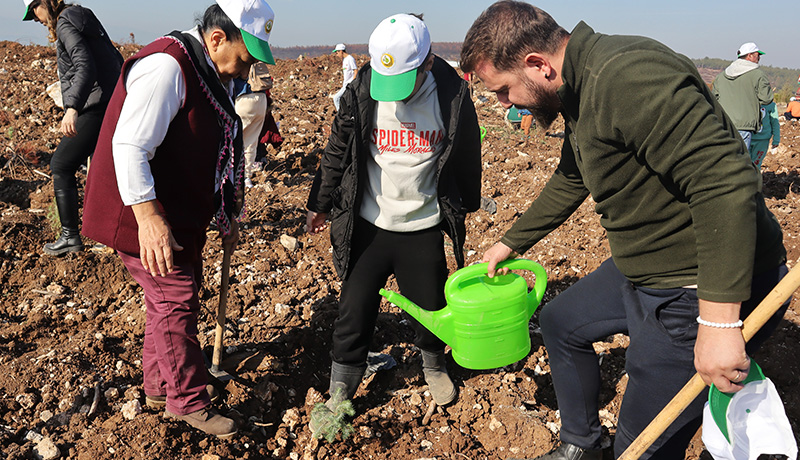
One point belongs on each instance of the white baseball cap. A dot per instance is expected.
(254, 18)
(397, 48)
(748, 423)
(748, 48)
(28, 10)
(339, 47)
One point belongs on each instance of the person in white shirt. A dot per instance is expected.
(349, 68)
(167, 162)
(401, 167)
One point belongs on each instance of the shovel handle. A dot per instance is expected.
(216, 359)
(762, 313)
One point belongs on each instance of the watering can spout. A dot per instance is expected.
(437, 322)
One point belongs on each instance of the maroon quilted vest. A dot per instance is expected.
(183, 168)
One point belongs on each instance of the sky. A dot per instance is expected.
(696, 28)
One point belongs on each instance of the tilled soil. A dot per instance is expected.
(71, 328)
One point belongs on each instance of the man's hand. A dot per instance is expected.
(156, 242)
(315, 222)
(719, 354)
(496, 254)
(68, 123)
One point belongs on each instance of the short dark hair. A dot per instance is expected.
(215, 18)
(508, 30)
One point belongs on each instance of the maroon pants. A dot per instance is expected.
(172, 361)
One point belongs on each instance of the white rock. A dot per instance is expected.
(131, 409)
(46, 450)
(289, 242)
(112, 393)
(26, 400)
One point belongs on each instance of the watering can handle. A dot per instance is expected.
(512, 264)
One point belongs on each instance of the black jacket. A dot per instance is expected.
(88, 63)
(339, 184)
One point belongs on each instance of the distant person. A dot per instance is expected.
(742, 88)
(770, 131)
(694, 247)
(415, 174)
(252, 107)
(349, 68)
(792, 110)
(88, 69)
(168, 161)
(527, 120)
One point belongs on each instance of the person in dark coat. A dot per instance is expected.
(88, 69)
(402, 167)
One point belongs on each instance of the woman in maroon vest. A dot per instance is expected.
(168, 160)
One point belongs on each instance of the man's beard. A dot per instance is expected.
(547, 104)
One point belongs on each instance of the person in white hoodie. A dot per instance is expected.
(349, 69)
(742, 89)
(402, 167)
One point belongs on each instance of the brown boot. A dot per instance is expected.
(207, 420)
(158, 402)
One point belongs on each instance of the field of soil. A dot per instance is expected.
(71, 328)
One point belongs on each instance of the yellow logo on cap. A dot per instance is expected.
(268, 26)
(387, 60)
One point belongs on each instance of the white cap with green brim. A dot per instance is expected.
(397, 48)
(254, 18)
(748, 423)
(28, 10)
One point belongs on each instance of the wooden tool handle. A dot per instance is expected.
(222, 307)
(762, 313)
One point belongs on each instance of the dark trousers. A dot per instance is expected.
(659, 361)
(72, 152)
(172, 360)
(418, 262)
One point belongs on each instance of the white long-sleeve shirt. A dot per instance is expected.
(156, 92)
(405, 144)
(349, 68)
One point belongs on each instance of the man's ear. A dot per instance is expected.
(538, 64)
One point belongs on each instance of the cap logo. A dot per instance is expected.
(268, 26)
(387, 60)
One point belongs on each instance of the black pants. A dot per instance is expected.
(418, 262)
(72, 152)
(662, 327)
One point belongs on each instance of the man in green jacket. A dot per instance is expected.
(742, 89)
(694, 248)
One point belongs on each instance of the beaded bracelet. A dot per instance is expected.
(703, 322)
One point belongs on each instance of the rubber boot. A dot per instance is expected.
(344, 383)
(70, 239)
(439, 383)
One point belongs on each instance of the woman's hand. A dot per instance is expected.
(69, 123)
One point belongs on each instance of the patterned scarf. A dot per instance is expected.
(229, 184)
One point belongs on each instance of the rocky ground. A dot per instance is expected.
(71, 328)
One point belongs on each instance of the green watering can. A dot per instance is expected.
(486, 319)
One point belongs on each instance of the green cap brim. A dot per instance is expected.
(257, 47)
(392, 88)
(761, 52)
(718, 401)
(28, 14)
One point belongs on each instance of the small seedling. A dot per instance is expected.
(54, 222)
(329, 422)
